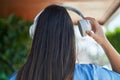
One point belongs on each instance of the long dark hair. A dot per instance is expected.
(52, 56)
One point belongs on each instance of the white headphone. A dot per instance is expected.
(33, 26)
(83, 24)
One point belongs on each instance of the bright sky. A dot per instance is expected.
(114, 23)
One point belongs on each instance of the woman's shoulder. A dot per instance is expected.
(94, 72)
(13, 76)
(83, 71)
(89, 72)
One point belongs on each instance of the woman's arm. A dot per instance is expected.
(98, 35)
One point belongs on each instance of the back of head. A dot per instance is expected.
(52, 56)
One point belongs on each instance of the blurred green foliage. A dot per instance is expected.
(15, 44)
(114, 38)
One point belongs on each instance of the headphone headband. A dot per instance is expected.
(33, 26)
(74, 10)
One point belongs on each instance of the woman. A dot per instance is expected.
(52, 56)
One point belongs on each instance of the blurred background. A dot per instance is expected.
(16, 16)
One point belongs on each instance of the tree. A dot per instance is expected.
(114, 38)
(14, 44)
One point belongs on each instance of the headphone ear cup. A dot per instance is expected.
(80, 28)
(83, 26)
(32, 30)
(33, 26)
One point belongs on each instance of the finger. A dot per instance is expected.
(91, 34)
(91, 20)
(95, 25)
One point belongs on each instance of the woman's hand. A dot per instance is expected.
(97, 33)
